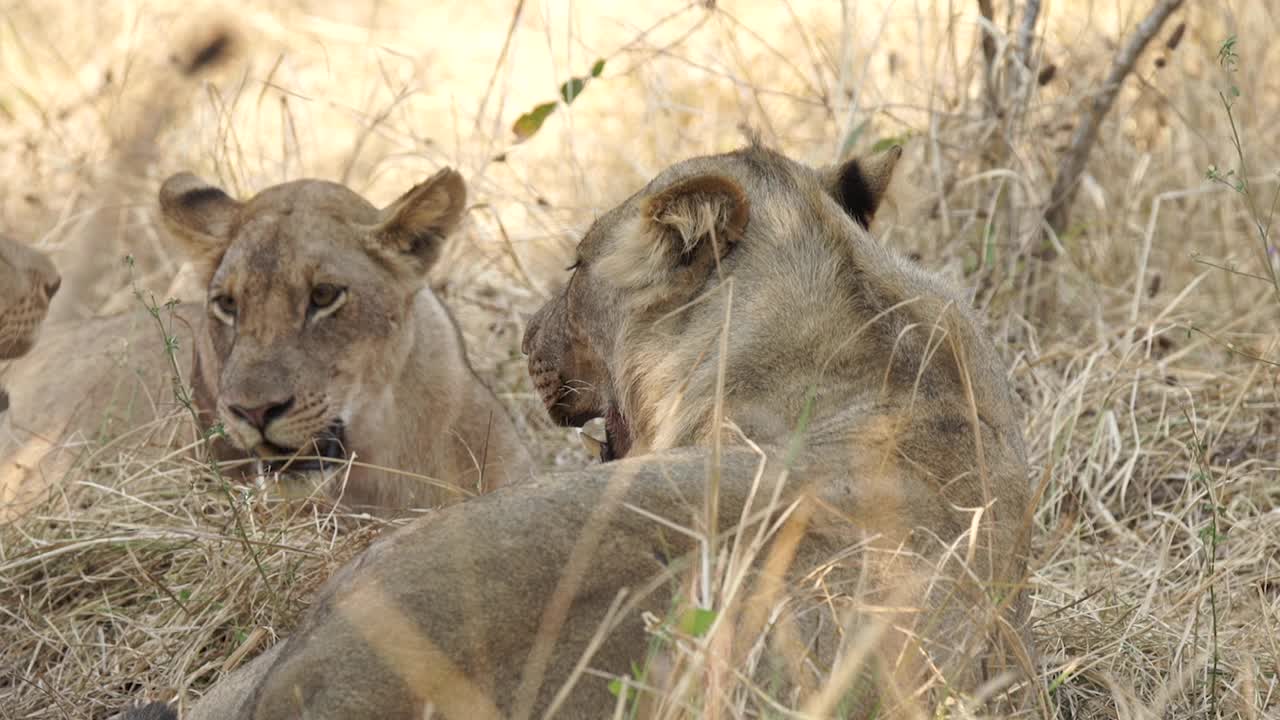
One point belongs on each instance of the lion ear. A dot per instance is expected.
(199, 216)
(412, 230)
(859, 184)
(698, 216)
(680, 234)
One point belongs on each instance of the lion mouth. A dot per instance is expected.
(325, 450)
(617, 437)
(571, 407)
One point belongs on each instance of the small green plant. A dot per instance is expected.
(696, 621)
(183, 395)
(618, 685)
(1210, 536)
(1261, 212)
(1238, 179)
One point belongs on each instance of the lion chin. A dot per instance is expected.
(324, 452)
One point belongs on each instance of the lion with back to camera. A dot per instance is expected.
(890, 462)
(320, 342)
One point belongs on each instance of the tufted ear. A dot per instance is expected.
(412, 230)
(859, 184)
(691, 216)
(200, 217)
(680, 235)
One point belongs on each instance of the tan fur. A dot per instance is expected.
(890, 494)
(384, 361)
(388, 361)
(89, 382)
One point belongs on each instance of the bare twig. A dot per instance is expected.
(1026, 40)
(1030, 14)
(988, 29)
(1077, 155)
(497, 66)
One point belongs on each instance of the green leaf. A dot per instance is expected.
(697, 621)
(529, 123)
(1227, 53)
(572, 88)
(615, 687)
(990, 260)
(215, 430)
(885, 143)
(882, 145)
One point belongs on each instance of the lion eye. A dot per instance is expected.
(224, 307)
(326, 295)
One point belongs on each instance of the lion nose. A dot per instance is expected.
(51, 287)
(261, 416)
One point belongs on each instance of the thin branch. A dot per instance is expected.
(988, 29)
(1026, 31)
(1086, 136)
(497, 66)
(1026, 46)
(1232, 347)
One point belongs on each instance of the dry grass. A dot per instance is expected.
(1149, 430)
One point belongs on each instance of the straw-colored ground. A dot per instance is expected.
(1145, 354)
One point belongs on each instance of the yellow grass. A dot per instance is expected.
(1144, 424)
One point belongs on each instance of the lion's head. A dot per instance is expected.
(28, 281)
(311, 305)
(642, 267)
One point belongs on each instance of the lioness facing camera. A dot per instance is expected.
(813, 441)
(320, 343)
